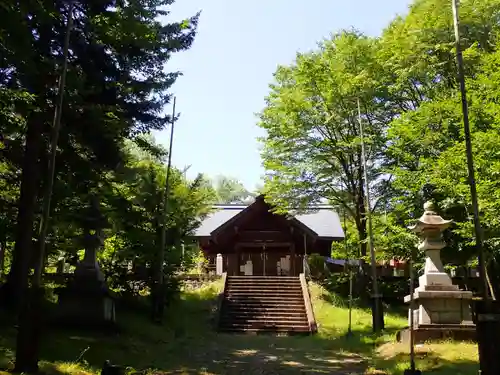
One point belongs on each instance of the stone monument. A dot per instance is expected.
(86, 300)
(440, 309)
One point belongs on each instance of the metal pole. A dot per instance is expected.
(412, 370)
(487, 332)
(378, 315)
(159, 303)
(412, 316)
(56, 126)
(468, 146)
(349, 326)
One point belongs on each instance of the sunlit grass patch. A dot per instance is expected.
(64, 368)
(445, 358)
(383, 354)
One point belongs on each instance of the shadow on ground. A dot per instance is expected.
(187, 344)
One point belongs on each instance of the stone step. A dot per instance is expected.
(263, 304)
(263, 294)
(266, 317)
(261, 307)
(272, 331)
(291, 288)
(238, 310)
(292, 305)
(256, 323)
(255, 277)
(266, 320)
(285, 302)
(259, 327)
(277, 298)
(264, 281)
(265, 286)
(271, 302)
(254, 309)
(277, 280)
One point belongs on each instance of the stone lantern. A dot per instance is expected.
(87, 300)
(439, 306)
(430, 228)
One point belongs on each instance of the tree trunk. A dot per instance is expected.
(17, 280)
(29, 332)
(2, 257)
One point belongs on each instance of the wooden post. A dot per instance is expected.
(237, 260)
(305, 254)
(292, 258)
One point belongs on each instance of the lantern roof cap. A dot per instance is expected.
(430, 220)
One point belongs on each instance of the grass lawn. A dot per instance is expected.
(187, 344)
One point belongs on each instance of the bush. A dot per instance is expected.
(393, 289)
(317, 267)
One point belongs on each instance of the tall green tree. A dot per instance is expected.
(312, 144)
(135, 208)
(230, 190)
(418, 50)
(116, 88)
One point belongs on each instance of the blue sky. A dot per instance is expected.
(230, 65)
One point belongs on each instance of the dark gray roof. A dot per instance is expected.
(322, 220)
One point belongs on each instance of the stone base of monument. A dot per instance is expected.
(86, 303)
(438, 332)
(440, 312)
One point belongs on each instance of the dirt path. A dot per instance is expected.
(243, 354)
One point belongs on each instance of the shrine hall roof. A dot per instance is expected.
(322, 220)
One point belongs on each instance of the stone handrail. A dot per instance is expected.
(220, 299)
(311, 320)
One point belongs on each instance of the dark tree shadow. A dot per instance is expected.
(188, 344)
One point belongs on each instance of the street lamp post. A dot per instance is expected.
(487, 312)
(468, 149)
(377, 308)
(349, 268)
(158, 297)
(413, 369)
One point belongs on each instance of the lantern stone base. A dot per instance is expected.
(87, 302)
(433, 305)
(436, 281)
(441, 311)
(438, 332)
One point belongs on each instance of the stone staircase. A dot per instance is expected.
(265, 304)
